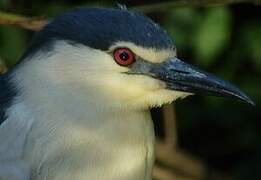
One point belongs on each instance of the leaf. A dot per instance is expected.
(252, 39)
(181, 26)
(212, 35)
(12, 43)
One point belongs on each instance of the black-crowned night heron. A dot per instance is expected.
(76, 107)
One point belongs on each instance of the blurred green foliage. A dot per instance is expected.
(212, 35)
(225, 40)
(13, 41)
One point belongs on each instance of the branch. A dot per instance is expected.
(163, 6)
(36, 23)
(169, 118)
(30, 23)
(172, 163)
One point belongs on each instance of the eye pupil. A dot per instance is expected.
(124, 56)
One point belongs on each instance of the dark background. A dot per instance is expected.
(222, 39)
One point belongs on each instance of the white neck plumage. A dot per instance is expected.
(69, 137)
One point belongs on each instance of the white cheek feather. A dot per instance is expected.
(93, 73)
(82, 118)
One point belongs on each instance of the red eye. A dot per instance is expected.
(124, 56)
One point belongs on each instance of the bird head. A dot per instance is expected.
(114, 57)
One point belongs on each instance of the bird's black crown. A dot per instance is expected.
(99, 28)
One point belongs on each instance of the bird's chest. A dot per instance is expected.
(121, 147)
